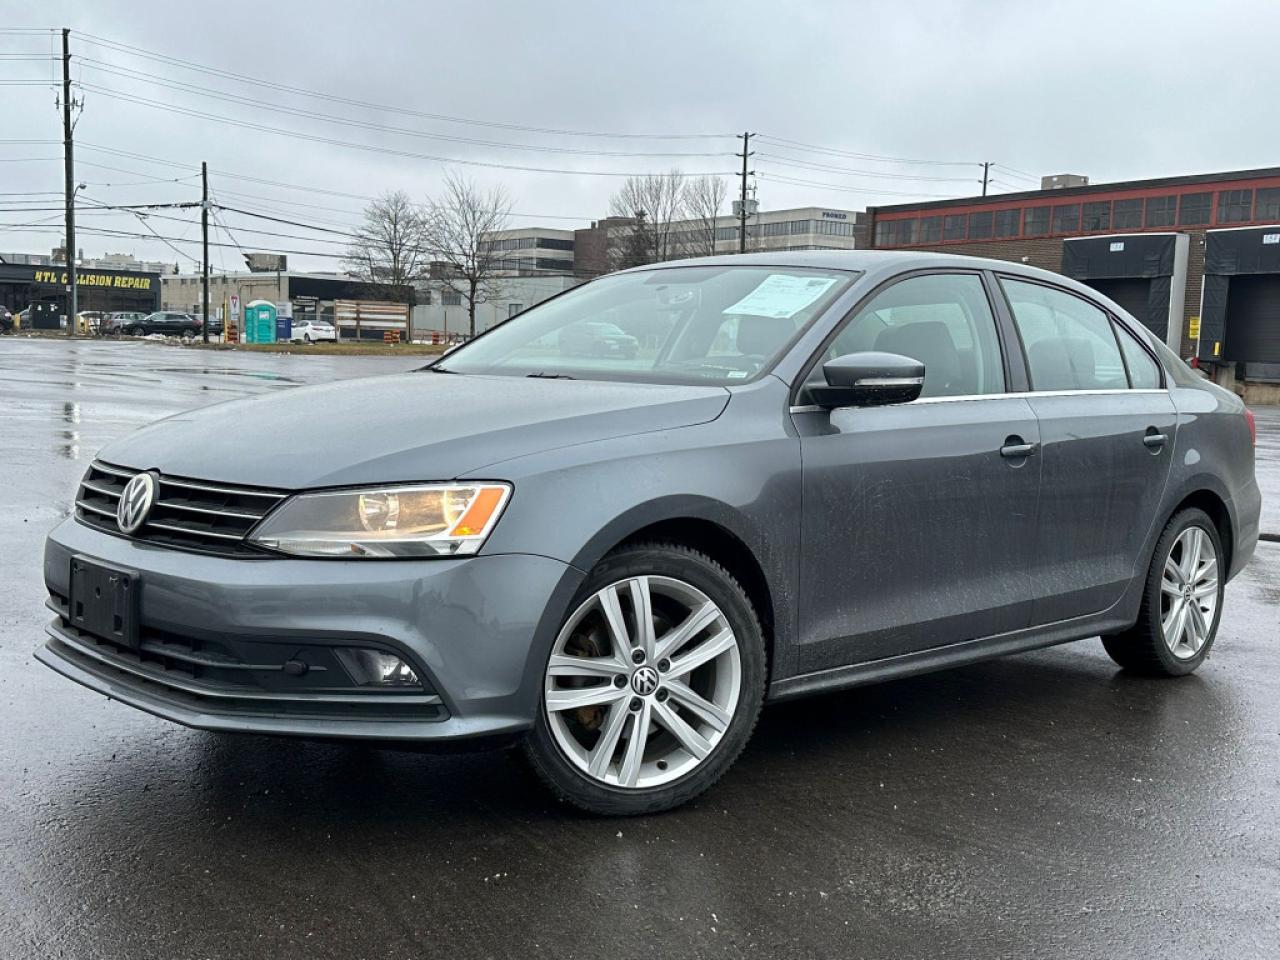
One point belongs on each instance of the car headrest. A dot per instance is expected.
(928, 341)
(1061, 363)
(762, 336)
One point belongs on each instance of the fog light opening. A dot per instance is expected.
(376, 668)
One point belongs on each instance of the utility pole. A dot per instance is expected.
(742, 206)
(986, 175)
(69, 185)
(204, 237)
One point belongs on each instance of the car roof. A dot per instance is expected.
(879, 261)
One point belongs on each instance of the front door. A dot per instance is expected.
(919, 519)
(1107, 432)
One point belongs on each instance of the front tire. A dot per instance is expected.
(653, 685)
(1181, 604)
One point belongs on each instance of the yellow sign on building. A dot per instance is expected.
(1193, 328)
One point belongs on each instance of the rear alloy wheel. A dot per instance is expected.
(137, 332)
(653, 683)
(1182, 604)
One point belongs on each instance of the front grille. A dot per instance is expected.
(231, 675)
(187, 514)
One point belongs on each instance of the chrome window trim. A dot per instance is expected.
(814, 408)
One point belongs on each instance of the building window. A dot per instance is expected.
(1268, 207)
(1234, 206)
(1194, 209)
(907, 231)
(449, 298)
(832, 228)
(1161, 211)
(513, 309)
(930, 229)
(1008, 222)
(727, 233)
(1097, 216)
(953, 227)
(1127, 214)
(1036, 222)
(1066, 218)
(980, 225)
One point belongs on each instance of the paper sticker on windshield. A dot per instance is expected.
(781, 296)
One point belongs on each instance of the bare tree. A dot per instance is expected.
(703, 198)
(460, 228)
(390, 246)
(660, 198)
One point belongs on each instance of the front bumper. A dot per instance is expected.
(477, 630)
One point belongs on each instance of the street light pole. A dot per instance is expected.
(68, 165)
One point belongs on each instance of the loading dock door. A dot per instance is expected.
(1252, 333)
(1133, 294)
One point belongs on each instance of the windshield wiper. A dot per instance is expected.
(543, 375)
(436, 368)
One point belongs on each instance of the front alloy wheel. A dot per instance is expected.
(652, 685)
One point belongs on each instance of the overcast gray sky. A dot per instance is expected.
(1116, 90)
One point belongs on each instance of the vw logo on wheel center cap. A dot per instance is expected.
(135, 502)
(644, 681)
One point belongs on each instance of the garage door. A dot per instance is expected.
(1253, 319)
(1132, 294)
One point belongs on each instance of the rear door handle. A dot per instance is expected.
(1155, 440)
(1018, 450)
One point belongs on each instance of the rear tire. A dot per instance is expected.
(1181, 602)
(137, 332)
(688, 725)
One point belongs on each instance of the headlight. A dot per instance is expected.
(446, 519)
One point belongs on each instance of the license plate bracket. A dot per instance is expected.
(104, 601)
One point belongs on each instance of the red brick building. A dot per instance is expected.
(1196, 258)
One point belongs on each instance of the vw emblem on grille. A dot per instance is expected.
(135, 502)
(644, 681)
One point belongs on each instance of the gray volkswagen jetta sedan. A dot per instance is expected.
(818, 470)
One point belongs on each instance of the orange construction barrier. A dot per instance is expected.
(391, 336)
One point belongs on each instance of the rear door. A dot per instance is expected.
(918, 519)
(1106, 429)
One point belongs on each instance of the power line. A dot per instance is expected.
(807, 165)
(315, 138)
(152, 79)
(364, 104)
(865, 156)
(847, 189)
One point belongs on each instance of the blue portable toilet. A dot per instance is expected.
(260, 322)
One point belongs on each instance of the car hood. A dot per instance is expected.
(404, 428)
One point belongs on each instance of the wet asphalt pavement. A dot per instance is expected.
(1038, 806)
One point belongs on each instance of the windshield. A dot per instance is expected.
(718, 324)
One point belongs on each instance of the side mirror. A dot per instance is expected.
(869, 379)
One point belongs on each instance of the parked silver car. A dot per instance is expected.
(821, 470)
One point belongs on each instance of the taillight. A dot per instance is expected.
(1253, 426)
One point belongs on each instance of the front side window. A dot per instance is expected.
(944, 321)
(1068, 341)
(701, 324)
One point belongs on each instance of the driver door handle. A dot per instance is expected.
(1155, 440)
(1014, 448)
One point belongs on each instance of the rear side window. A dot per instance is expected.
(944, 321)
(1144, 374)
(1068, 341)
